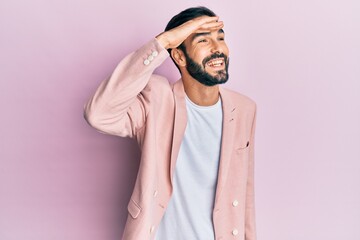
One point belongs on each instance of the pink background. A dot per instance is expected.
(300, 61)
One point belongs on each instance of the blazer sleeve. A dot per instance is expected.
(250, 228)
(120, 104)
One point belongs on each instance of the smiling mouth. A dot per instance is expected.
(216, 63)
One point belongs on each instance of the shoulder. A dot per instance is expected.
(158, 82)
(240, 100)
(158, 86)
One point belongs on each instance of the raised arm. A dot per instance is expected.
(118, 107)
(121, 102)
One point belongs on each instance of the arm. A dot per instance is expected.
(250, 226)
(120, 104)
(118, 107)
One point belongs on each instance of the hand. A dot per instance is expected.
(174, 37)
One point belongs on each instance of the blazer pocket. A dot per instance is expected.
(243, 146)
(134, 209)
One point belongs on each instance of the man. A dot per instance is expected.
(196, 174)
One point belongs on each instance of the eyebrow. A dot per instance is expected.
(196, 35)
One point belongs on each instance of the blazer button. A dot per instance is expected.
(152, 229)
(235, 203)
(146, 62)
(235, 232)
(154, 53)
(155, 193)
(150, 58)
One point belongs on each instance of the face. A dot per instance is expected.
(207, 57)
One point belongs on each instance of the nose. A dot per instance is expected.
(216, 47)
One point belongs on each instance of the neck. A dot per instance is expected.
(200, 94)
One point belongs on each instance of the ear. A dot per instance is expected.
(178, 57)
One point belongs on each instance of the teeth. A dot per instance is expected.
(216, 63)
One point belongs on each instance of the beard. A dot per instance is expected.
(198, 72)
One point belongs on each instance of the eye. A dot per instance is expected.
(202, 40)
(221, 39)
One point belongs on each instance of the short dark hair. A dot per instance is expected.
(184, 16)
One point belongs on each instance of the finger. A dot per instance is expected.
(197, 23)
(212, 25)
(207, 19)
(209, 28)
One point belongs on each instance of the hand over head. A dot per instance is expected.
(174, 37)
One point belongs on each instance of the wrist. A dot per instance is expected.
(161, 38)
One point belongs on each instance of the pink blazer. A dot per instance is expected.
(134, 102)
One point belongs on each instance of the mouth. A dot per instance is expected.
(216, 63)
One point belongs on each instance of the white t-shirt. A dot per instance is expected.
(189, 213)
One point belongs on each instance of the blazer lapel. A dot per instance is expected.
(179, 123)
(226, 140)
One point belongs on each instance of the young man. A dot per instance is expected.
(196, 175)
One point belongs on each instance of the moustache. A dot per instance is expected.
(214, 56)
